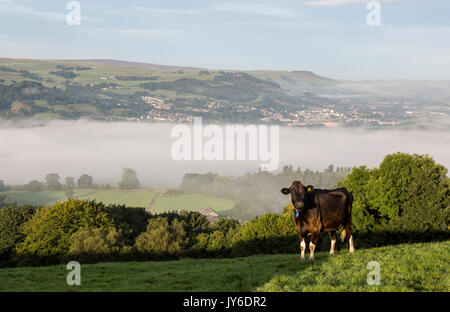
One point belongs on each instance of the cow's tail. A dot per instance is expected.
(343, 235)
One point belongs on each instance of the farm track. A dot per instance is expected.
(152, 206)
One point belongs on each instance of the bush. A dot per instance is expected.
(94, 241)
(94, 244)
(193, 223)
(162, 239)
(11, 232)
(48, 232)
(268, 234)
(407, 192)
(129, 220)
(218, 242)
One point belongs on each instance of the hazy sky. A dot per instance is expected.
(329, 37)
(71, 148)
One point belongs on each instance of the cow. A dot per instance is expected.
(317, 210)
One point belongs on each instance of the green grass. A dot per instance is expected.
(408, 267)
(192, 202)
(133, 198)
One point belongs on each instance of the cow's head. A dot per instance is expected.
(298, 194)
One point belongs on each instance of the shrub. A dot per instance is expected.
(270, 233)
(50, 229)
(162, 238)
(11, 232)
(193, 223)
(94, 244)
(129, 220)
(407, 192)
(219, 241)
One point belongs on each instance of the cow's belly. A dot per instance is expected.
(332, 223)
(331, 226)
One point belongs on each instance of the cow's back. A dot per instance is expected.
(333, 207)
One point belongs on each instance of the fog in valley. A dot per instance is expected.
(101, 149)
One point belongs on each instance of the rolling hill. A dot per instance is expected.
(119, 90)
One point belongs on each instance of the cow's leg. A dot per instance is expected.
(348, 231)
(312, 245)
(302, 249)
(333, 241)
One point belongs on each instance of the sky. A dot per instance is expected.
(329, 37)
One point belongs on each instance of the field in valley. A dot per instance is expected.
(407, 267)
(132, 198)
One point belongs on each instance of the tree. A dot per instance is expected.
(130, 221)
(406, 192)
(34, 186)
(49, 231)
(52, 182)
(129, 180)
(91, 241)
(161, 238)
(359, 182)
(70, 182)
(85, 181)
(11, 222)
(2, 186)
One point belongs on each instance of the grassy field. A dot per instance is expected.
(134, 198)
(409, 267)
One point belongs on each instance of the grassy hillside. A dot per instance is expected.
(134, 198)
(409, 267)
(113, 90)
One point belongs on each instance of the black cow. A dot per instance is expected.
(318, 210)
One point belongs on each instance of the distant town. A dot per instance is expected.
(373, 113)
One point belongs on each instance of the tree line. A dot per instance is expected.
(52, 182)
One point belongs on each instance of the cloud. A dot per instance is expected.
(149, 32)
(255, 9)
(342, 2)
(157, 11)
(102, 149)
(10, 7)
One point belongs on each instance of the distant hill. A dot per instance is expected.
(120, 90)
(111, 90)
(137, 64)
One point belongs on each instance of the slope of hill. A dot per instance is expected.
(137, 64)
(120, 90)
(109, 89)
(407, 267)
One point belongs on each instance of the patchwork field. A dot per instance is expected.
(407, 267)
(133, 198)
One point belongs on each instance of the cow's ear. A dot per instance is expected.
(285, 191)
(309, 188)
